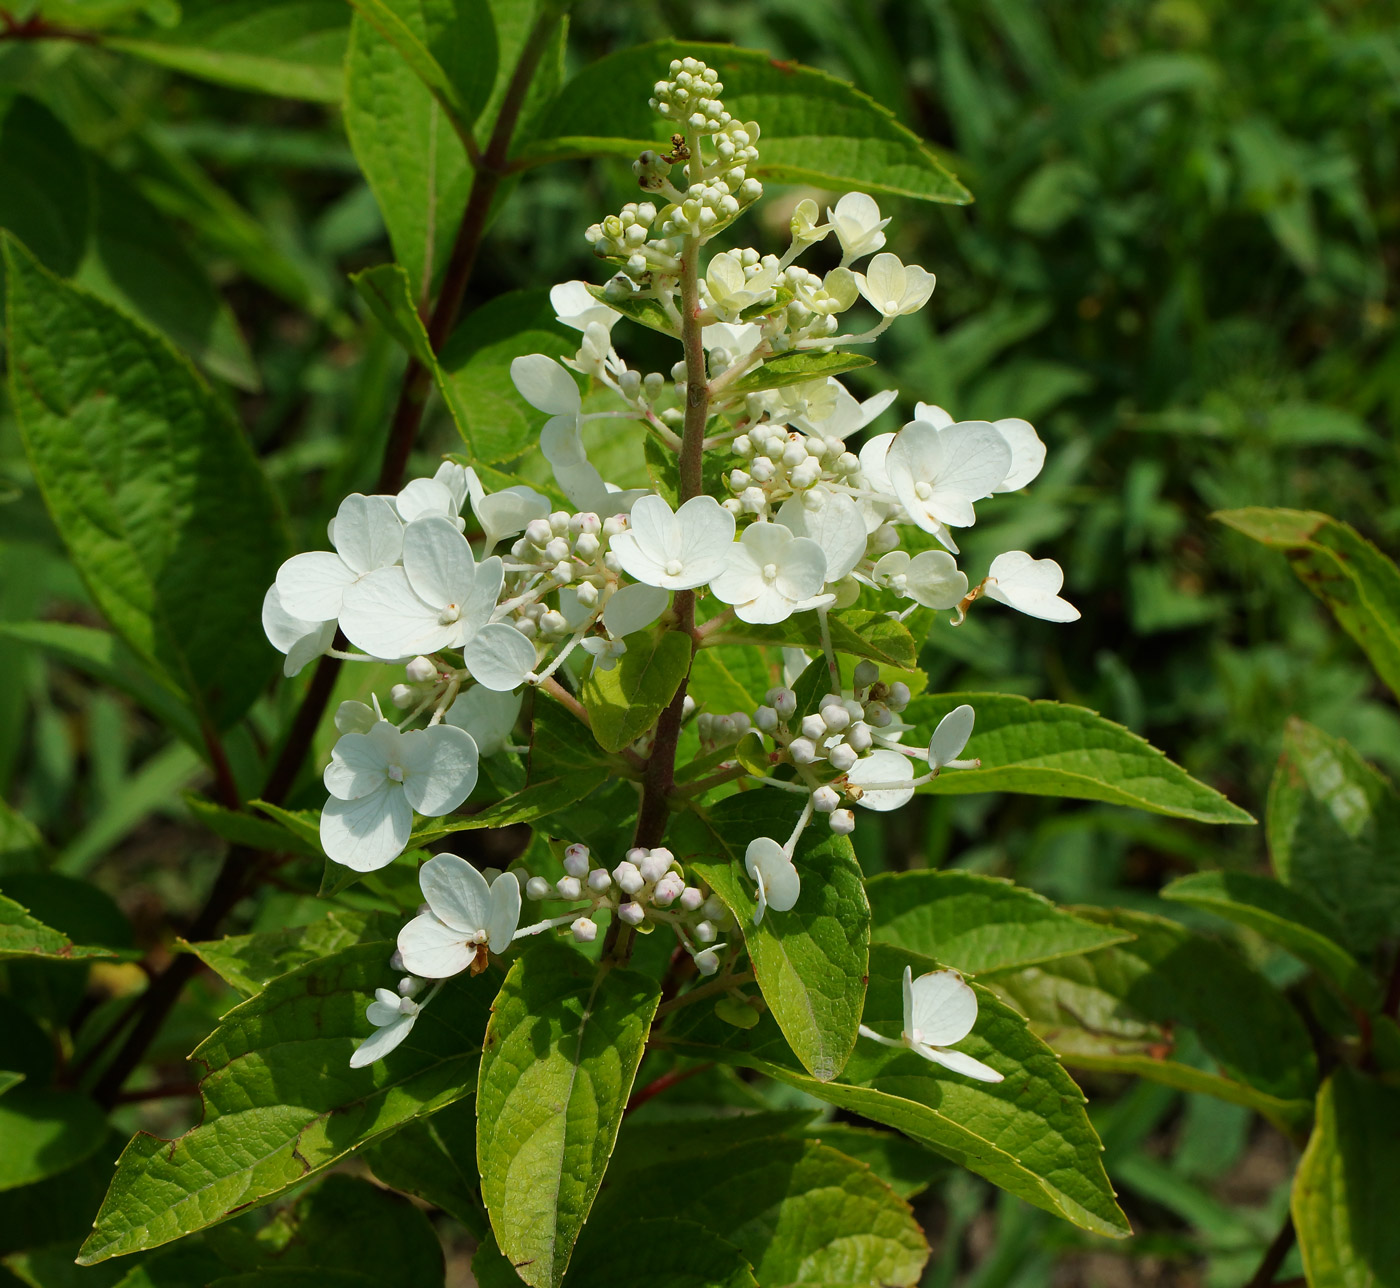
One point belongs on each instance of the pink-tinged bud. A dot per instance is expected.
(599, 881)
(632, 913)
(691, 898)
(629, 879)
(707, 961)
(576, 860)
(537, 888)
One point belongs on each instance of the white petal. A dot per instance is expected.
(932, 414)
(300, 640)
(423, 499)
(499, 657)
(544, 384)
(834, 522)
(562, 442)
(480, 600)
(882, 766)
(383, 616)
(368, 533)
(574, 306)
(781, 883)
(459, 480)
(633, 608)
(657, 533)
(976, 458)
(706, 528)
(934, 580)
(438, 561)
(883, 283)
(918, 286)
(308, 649)
(439, 768)
(457, 894)
(1031, 586)
(368, 833)
(945, 1009)
(505, 911)
(1027, 453)
(311, 586)
(487, 715)
(504, 513)
(360, 762)
(355, 717)
(637, 562)
(960, 1063)
(950, 737)
(802, 572)
(382, 1041)
(433, 950)
(908, 1000)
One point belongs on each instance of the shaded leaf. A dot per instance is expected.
(385, 288)
(46, 1132)
(625, 702)
(536, 802)
(798, 368)
(23, 935)
(434, 1159)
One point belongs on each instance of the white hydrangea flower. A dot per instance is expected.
(675, 551)
(737, 339)
(574, 306)
(834, 522)
(377, 780)
(465, 915)
(894, 289)
(301, 641)
(938, 474)
(489, 716)
(930, 578)
(857, 224)
(771, 866)
(367, 535)
(950, 737)
(440, 597)
(1031, 586)
(881, 776)
(804, 227)
(940, 1008)
(730, 290)
(1027, 451)
(393, 1017)
(770, 574)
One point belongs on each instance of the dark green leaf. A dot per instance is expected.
(797, 369)
(538, 801)
(44, 192)
(561, 1051)
(304, 825)
(434, 1158)
(386, 289)
(856, 632)
(247, 829)
(46, 1132)
(25, 936)
(625, 702)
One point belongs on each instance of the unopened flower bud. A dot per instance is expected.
(899, 696)
(538, 532)
(825, 799)
(866, 673)
(402, 696)
(655, 864)
(559, 522)
(396, 960)
(599, 881)
(706, 933)
(569, 887)
(558, 549)
(632, 913)
(628, 877)
(420, 671)
(842, 757)
(714, 908)
(668, 890)
(813, 727)
(766, 718)
(537, 888)
(585, 930)
(835, 717)
(878, 714)
(784, 702)
(587, 545)
(688, 705)
(614, 524)
(576, 860)
(859, 737)
(707, 961)
(691, 898)
(803, 751)
(842, 821)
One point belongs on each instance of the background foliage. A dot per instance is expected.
(1180, 265)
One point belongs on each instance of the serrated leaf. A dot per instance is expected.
(623, 703)
(1288, 917)
(798, 368)
(1334, 833)
(434, 1159)
(645, 311)
(1029, 1134)
(1341, 1194)
(800, 1212)
(856, 632)
(281, 1101)
(1052, 749)
(811, 961)
(816, 129)
(251, 962)
(561, 1051)
(1355, 580)
(23, 936)
(385, 288)
(293, 49)
(146, 473)
(246, 829)
(904, 1165)
(303, 824)
(536, 802)
(975, 923)
(46, 1132)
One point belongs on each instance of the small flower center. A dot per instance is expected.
(478, 937)
(674, 567)
(891, 306)
(770, 572)
(449, 615)
(922, 491)
(395, 773)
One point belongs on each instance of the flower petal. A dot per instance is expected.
(887, 768)
(544, 384)
(1027, 453)
(433, 950)
(781, 882)
(1031, 586)
(368, 833)
(312, 586)
(960, 1063)
(439, 768)
(950, 737)
(499, 657)
(359, 765)
(945, 1009)
(457, 894)
(487, 715)
(421, 499)
(438, 561)
(633, 608)
(383, 616)
(382, 1041)
(368, 533)
(505, 911)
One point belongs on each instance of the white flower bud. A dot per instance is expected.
(655, 864)
(403, 697)
(706, 933)
(652, 383)
(813, 727)
(614, 524)
(707, 961)
(691, 898)
(878, 714)
(743, 446)
(576, 860)
(803, 751)
(866, 673)
(599, 881)
(835, 717)
(714, 908)
(553, 622)
(569, 887)
(842, 757)
(859, 737)
(408, 986)
(396, 960)
(668, 890)
(688, 705)
(842, 821)
(825, 799)
(420, 671)
(628, 877)
(762, 469)
(537, 888)
(587, 594)
(587, 545)
(884, 538)
(585, 930)
(899, 696)
(784, 702)
(632, 913)
(766, 718)
(538, 532)
(558, 548)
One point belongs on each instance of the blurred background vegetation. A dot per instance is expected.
(1180, 266)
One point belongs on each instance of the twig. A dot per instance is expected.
(721, 985)
(664, 1083)
(1274, 1255)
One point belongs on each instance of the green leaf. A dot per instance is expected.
(450, 45)
(798, 368)
(44, 195)
(58, 1209)
(246, 829)
(24, 936)
(102, 656)
(644, 310)
(46, 1132)
(1115, 1009)
(810, 962)
(975, 923)
(303, 824)
(251, 962)
(623, 703)
(1051, 749)
(385, 288)
(1028, 1134)
(409, 152)
(282, 1103)
(1355, 580)
(474, 373)
(1348, 1175)
(9, 1079)
(561, 1051)
(1288, 917)
(856, 632)
(146, 473)
(816, 129)
(1333, 823)
(293, 49)
(905, 1166)
(536, 802)
(434, 1159)
(800, 1212)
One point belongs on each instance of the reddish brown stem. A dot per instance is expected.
(664, 1083)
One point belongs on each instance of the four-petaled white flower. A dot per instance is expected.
(393, 1017)
(771, 866)
(894, 288)
(770, 574)
(1031, 586)
(376, 781)
(940, 1008)
(465, 916)
(731, 291)
(930, 578)
(1027, 451)
(300, 640)
(938, 474)
(858, 227)
(675, 551)
(834, 522)
(366, 534)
